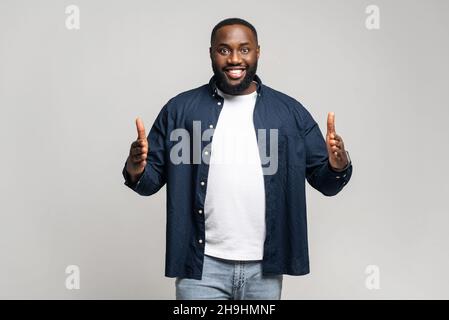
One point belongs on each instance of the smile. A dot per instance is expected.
(235, 74)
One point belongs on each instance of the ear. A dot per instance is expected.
(210, 52)
(258, 51)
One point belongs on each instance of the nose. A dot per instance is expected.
(234, 58)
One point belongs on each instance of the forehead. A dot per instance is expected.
(234, 34)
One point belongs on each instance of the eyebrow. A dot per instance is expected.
(225, 44)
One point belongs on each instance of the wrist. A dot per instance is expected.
(348, 164)
(131, 177)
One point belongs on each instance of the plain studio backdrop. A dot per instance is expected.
(69, 99)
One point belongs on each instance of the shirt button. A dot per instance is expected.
(211, 126)
(200, 211)
(338, 177)
(202, 183)
(206, 152)
(219, 103)
(200, 241)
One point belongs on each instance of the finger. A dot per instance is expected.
(140, 143)
(338, 155)
(139, 158)
(138, 151)
(335, 143)
(135, 159)
(331, 123)
(340, 141)
(135, 150)
(140, 129)
(335, 148)
(143, 142)
(337, 137)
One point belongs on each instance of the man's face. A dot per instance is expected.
(234, 54)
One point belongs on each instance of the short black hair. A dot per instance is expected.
(232, 21)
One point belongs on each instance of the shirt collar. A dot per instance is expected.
(213, 84)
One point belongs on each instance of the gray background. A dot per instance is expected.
(69, 99)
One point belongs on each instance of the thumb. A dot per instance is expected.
(330, 123)
(140, 129)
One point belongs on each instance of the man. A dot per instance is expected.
(235, 225)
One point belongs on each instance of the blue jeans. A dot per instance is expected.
(230, 280)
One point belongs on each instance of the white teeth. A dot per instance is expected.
(235, 72)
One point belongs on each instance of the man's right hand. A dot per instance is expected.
(137, 159)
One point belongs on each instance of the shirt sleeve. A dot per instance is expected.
(153, 177)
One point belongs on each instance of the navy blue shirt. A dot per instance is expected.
(302, 154)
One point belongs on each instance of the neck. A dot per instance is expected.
(252, 87)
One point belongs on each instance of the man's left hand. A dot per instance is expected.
(338, 158)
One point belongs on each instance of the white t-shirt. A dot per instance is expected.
(234, 207)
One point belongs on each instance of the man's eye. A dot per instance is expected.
(245, 50)
(223, 50)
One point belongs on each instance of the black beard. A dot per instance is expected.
(223, 84)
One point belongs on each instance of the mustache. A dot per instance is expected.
(235, 67)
